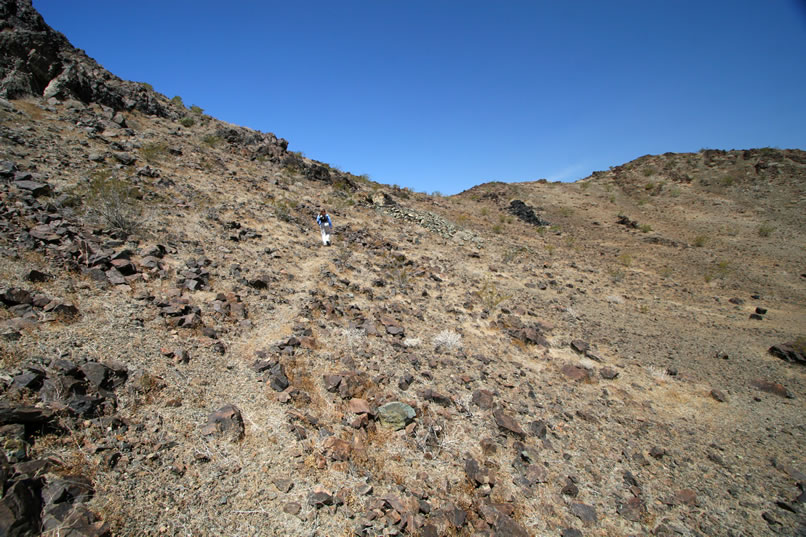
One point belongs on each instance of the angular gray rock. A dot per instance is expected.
(396, 415)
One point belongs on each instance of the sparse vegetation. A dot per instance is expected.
(187, 122)
(765, 230)
(490, 296)
(153, 152)
(625, 259)
(616, 275)
(113, 202)
(645, 228)
(177, 100)
(449, 340)
(719, 270)
(212, 140)
(229, 295)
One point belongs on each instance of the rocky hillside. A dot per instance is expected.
(179, 354)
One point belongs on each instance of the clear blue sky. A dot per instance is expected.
(443, 95)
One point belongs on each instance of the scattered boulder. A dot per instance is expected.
(396, 415)
(793, 352)
(226, 421)
(774, 388)
(508, 424)
(576, 373)
(586, 513)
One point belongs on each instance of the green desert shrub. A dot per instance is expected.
(114, 203)
(154, 151)
(765, 230)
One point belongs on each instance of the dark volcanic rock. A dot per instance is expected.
(790, 352)
(20, 509)
(526, 213)
(23, 414)
(585, 513)
(35, 60)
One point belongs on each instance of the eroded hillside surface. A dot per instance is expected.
(180, 355)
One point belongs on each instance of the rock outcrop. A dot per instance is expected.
(36, 60)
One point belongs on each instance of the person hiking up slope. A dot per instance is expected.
(325, 226)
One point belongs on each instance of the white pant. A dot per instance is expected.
(326, 231)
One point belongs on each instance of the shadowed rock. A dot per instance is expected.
(226, 421)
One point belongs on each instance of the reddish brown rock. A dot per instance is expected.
(226, 421)
(337, 449)
(507, 423)
(576, 373)
(359, 406)
(774, 388)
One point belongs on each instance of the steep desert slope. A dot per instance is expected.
(181, 356)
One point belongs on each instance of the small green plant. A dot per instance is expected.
(649, 171)
(625, 259)
(187, 121)
(514, 253)
(765, 230)
(490, 296)
(147, 86)
(484, 211)
(498, 229)
(198, 110)
(612, 198)
(113, 202)
(727, 180)
(674, 192)
(212, 140)
(550, 249)
(700, 240)
(153, 152)
(282, 210)
(616, 275)
(719, 270)
(400, 270)
(645, 228)
(177, 100)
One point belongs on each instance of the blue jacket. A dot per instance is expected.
(324, 220)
